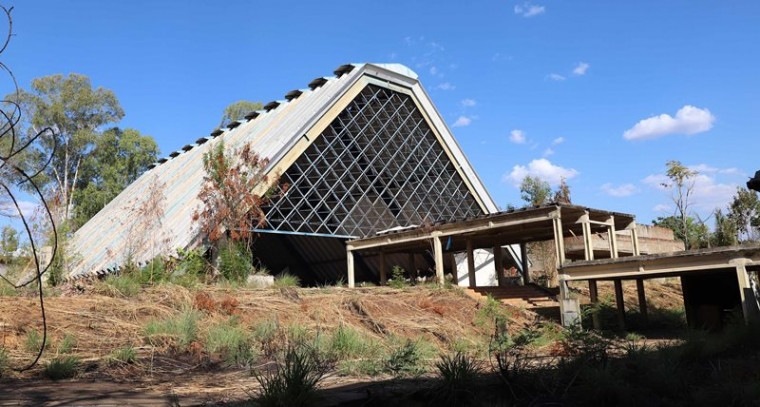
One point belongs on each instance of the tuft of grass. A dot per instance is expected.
(33, 342)
(124, 285)
(68, 344)
(232, 342)
(126, 355)
(360, 367)
(59, 368)
(286, 280)
(181, 328)
(458, 375)
(265, 333)
(346, 343)
(3, 360)
(293, 382)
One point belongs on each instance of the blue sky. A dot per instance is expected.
(546, 87)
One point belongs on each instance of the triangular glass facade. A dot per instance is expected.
(378, 165)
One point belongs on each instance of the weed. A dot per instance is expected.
(265, 333)
(126, 355)
(3, 360)
(182, 328)
(61, 368)
(397, 278)
(124, 285)
(293, 382)
(360, 367)
(204, 302)
(232, 342)
(458, 374)
(346, 343)
(234, 263)
(286, 280)
(405, 360)
(68, 344)
(33, 342)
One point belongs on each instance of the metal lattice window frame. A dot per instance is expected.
(378, 165)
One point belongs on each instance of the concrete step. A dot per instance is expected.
(527, 297)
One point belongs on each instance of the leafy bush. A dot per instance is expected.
(397, 278)
(126, 355)
(153, 272)
(182, 328)
(293, 382)
(61, 368)
(232, 342)
(458, 375)
(191, 262)
(234, 263)
(405, 360)
(286, 280)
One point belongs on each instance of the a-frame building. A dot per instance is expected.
(363, 152)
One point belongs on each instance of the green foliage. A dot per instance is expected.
(191, 262)
(230, 340)
(68, 344)
(124, 285)
(234, 262)
(535, 191)
(238, 110)
(33, 342)
(117, 158)
(3, 360)
(125, 355)
(697, 234)
(286, 280)
(61, 368)
(458, 376)
(346, 342)
(744, 211)
(405, 360)
(398, 280)
(181, 329)
(293, 382)
(8, 240)
(265, 333)
(360, 367)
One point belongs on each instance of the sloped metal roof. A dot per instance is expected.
(102, 243)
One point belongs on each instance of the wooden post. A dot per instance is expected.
(525, 263)
(351, 278)
(383, 269)
(471, 265)
(498, 267)
(594, 295)
(438, 252)
(642, 300)
(620, 303)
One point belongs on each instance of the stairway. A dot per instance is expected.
(528, 296)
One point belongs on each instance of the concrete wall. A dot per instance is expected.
(485, 273)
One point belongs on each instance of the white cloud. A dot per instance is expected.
(7, 209)
(621, 191)
(581, 68)
(556, 77)
(433, 70)
(656, 181)
(688, 120)
(446, 86)
(462, 121)
(661, 208)
(468, 102)
(541, 168)
(529, 10)
(708, 192)
(517, 136)
(558, 140)
(548, 152)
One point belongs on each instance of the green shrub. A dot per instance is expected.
(124, 285)
(405, 360)
(458, 376)
(265, 333)
(293, 382)
(360, 367)
(234, 263)
(126, 355)
(67, 344)
(61, 368)
(346, 342)
(3, 360)
(397, 278)
(33, 342)
(286, 280)
(232, 342)
(181, 328)
(152, 273)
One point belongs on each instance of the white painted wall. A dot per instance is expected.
(485, 273)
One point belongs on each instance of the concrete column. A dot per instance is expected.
(594, 295)
(642, 300)
(620, 303)
(635, 240)
(559, 242)
(612, 237)
(588, 244)
(351, 278)
(383, 269)
(525, 263)
(749, 305)
(471, 265)
(498, 267)
(688, 305)
(438, 252)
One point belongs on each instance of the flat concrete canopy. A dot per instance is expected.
(494, 231)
